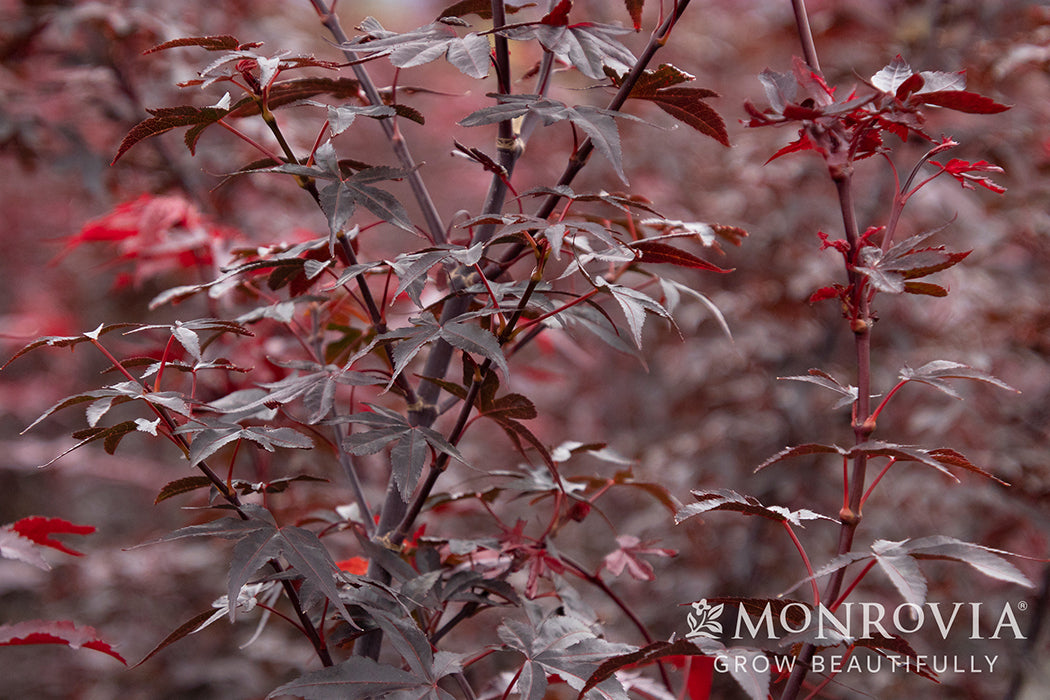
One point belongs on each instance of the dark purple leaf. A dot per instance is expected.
(223, 42)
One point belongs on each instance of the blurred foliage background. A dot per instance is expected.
(701, 413)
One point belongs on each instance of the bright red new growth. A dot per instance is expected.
(56, 632)
(559, 16)
(961, 169)
(40, 529)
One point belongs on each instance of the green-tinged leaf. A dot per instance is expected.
(357, 678)
(180, 486)
(221, 42)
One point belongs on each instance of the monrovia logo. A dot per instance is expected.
(851, 621)
(705, 622)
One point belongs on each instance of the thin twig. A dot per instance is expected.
(435, 227)
(805, 33)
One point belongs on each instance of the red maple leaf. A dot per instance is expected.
(40, 529)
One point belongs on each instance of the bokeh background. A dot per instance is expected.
(701, 412)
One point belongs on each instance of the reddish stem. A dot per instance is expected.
(805, 560)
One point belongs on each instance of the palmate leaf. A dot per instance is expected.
(598, 124)
(207, 442)
(634, 305)
(165, 119)
(686, 104)
(340, 199)
(933, 88)
(560, 645)
(23, 538)
(939, 459)
(459, 334)
(361, 678)
(905, 261)
(103, 399)
(185, 332)
(847, 393)
(628, 556)
(468, 54)
(412, 443)
(259, 540)
(588, 46)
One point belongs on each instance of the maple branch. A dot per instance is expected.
(230, 497)
(345, 460)
(805, 34)
(596, 580)
(580, 157)
(435, 227)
